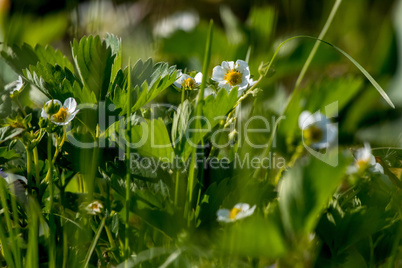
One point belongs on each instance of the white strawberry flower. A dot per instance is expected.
(187, 82)
(239, 211)
(317, 130)
(65, 114)
(94, 208)
(230, 74)
(16, 86)
(365, 160)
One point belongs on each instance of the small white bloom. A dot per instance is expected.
(16, 86)
(318, 131)
(364, 160)
(94, 208)
(239, 211)
(11, 178)
(187, 82)
(65, 114)
(230, 74)
(16, 184)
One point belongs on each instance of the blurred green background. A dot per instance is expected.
(175, 32)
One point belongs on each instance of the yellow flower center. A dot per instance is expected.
(312, 134)
(362, 164)
(188, 83)
(61, 115)
(233, 77)
(233, 213)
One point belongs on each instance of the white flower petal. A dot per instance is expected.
(179, 81)
(11, 178)
(377, 168)
(223, 215)
(44, 114)
(209, 91)
(227, 65)
(242, 206)
(198, 78)
(305, 119)
(70, 104)
(218, 73)
(242, 66)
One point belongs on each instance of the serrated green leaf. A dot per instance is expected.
(148, 81)
(115, 44)
(93, 60)
(52, 56)
(20, 58)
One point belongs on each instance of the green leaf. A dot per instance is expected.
(8, 132)
(7, 155)
(180, 121)
(115, 44)
(306, 190)
(253, 237)
(148, 81)
(20, 58)
(52, 56)
(149, 138)
(93, 60)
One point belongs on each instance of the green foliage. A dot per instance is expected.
(93, 59)
(154, 188)
(148, 81)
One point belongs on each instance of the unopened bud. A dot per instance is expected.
(52, 107)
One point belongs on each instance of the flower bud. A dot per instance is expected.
(51, 107)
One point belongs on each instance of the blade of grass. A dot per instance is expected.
(361, 68)
(5, 248)
(93, 244)
(207, 59)
(317, 43)
(6, 213)
(32, 252)
(16, 227)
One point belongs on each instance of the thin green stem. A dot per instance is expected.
(128, 177)
(205, 66)
(16, 226)
(35, 149)
(49, 177)
(176, 190)
(29, 169)
(317, 43)
(36, 163)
